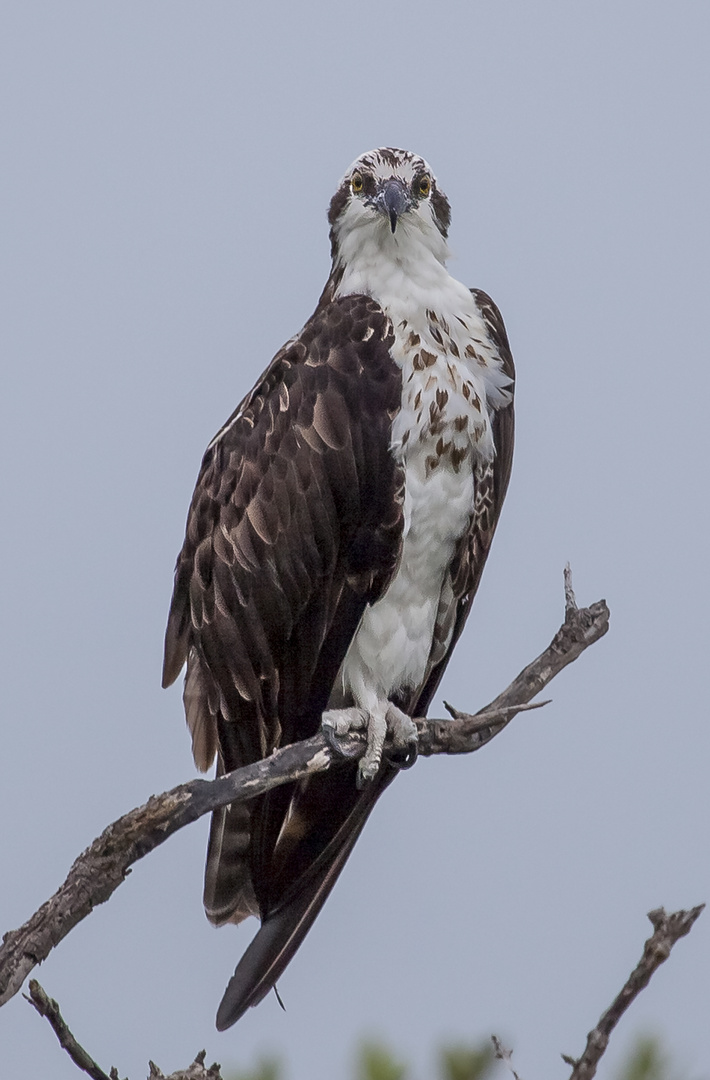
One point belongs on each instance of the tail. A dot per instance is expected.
(229, 894)
(284, 929)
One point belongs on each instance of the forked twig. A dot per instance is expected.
(667, 930)
(47, 1006)
(502, 1054)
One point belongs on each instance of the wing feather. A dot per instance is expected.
(271, 582)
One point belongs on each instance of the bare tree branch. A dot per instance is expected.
(504, 1055)
(581, 628)
(47, 1006)
(104, 865)
(667, 929)
(570, 598)
(196, 1071)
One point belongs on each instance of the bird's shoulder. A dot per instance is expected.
(493, 320)
(346, 340)
(314, 431)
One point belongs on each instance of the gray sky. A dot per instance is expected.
(167, 170)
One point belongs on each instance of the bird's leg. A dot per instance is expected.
(370, 762)
(379, 722)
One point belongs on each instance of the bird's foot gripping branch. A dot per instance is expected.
(387, 726)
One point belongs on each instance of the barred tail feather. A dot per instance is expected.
(282, 932)
(229, 893)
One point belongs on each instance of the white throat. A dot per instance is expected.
(391, 266)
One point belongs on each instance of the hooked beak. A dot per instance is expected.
(393, 200)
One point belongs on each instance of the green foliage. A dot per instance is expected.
(645, 1062)
(267, 1069)
(375, 1062)
(466, 1062)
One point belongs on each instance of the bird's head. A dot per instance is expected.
(390, 197)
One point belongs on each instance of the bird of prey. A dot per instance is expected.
(334, 543)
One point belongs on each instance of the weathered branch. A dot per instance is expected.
(502, 1054)
(104, 865)
(667, 929)
(196, 1071)
(47, 1006)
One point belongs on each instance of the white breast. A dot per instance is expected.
(451, 377)
(392, 645)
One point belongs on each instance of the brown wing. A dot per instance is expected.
(313, 865)
(295, 525)
(491, 484)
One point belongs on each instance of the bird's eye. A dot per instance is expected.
(357, 183)
(423, 186)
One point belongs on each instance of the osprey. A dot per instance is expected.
(335, 540)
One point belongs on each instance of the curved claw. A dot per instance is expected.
(346, 749)
(404, 759)
(402, 728)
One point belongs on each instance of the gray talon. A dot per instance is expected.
(337, 724)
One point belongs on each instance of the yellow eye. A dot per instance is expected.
(424, 186)
(356, 183)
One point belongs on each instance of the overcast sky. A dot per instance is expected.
(167, 170)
